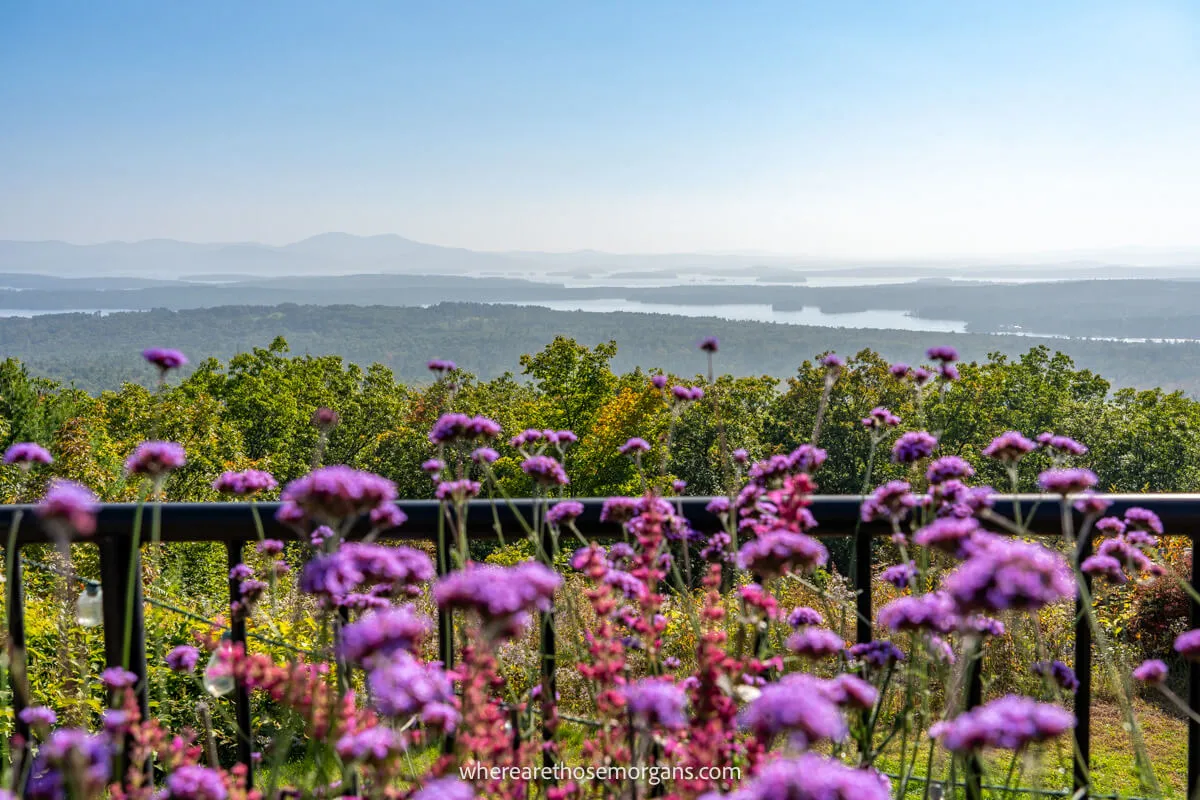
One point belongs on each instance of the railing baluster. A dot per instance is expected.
(116, 555)
(237, 634)
(862, 583)
(549, 650)
(1083, 673)
(1193, 759)
(445, 618)
(18, 679)
(973, 779)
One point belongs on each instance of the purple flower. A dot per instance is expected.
(656, 703)
(815, 643)
(989, 626)
(1102, 566)
(35, 716)
(459, 427)
(545, 471)
(1003, 574)
(388, 516)
(740, 455)
(115, 721)
(503, 597)
(1088, 503)
(913, 446)
(374, 745)
(659, 381)
(457, 491)
(527, 436)
(403, 687)
(949, 534)
(934, 611)
(948, 372)
(811, 777)
(441, 365)
(803, 615)
(1187, 644)
(164, 358)
(1151, 671)
(851, 691)
(26, 454)
(900, 575)
(433, 466)
(780, 551)
(564, 512)
(251, 481)
(333, 494)
(880, 418)
(193, 782)
(1067, 481)
(269, 547)
(634, 445)
(332, 577)
(118, 678)
(1063, 675)
(921, 376)
(618, 509)
(799, 706)
(687, 394)
(383, 633)
(947, 468)
(155, 459)
(484, 455)
(806, 458)
(325, 419)
(879, 653)
(183, 658)
(898, 370)
(832, 362)
(401, 568)
(718, 506)
(890, 501)
(1143, 519)
(86, 757)
(1009, 447)
(943, 353)
(241, 572)
(1009, 723)
(69, 506)
(1063, 444)
(445, 789)
(709, 344)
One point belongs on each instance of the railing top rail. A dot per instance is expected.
(837, 515)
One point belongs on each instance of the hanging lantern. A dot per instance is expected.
(89, 608)
(218, 674)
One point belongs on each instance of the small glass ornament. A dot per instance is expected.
(218, 674)
(89, 608)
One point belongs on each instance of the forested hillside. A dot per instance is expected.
(255, 409)
(94, 352)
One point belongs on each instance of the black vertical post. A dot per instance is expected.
(116, 555)
(237, 634)
(1083, 673)
(445, 619)
(862, 583)
(1193, 769)
(549, 648)
(973, 776)
(18, 680)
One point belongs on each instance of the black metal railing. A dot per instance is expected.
(838, 516)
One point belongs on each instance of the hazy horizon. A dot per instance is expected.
(915, 130)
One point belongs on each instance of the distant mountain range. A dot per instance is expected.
(341, 253)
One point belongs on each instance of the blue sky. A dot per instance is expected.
(825, 128)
